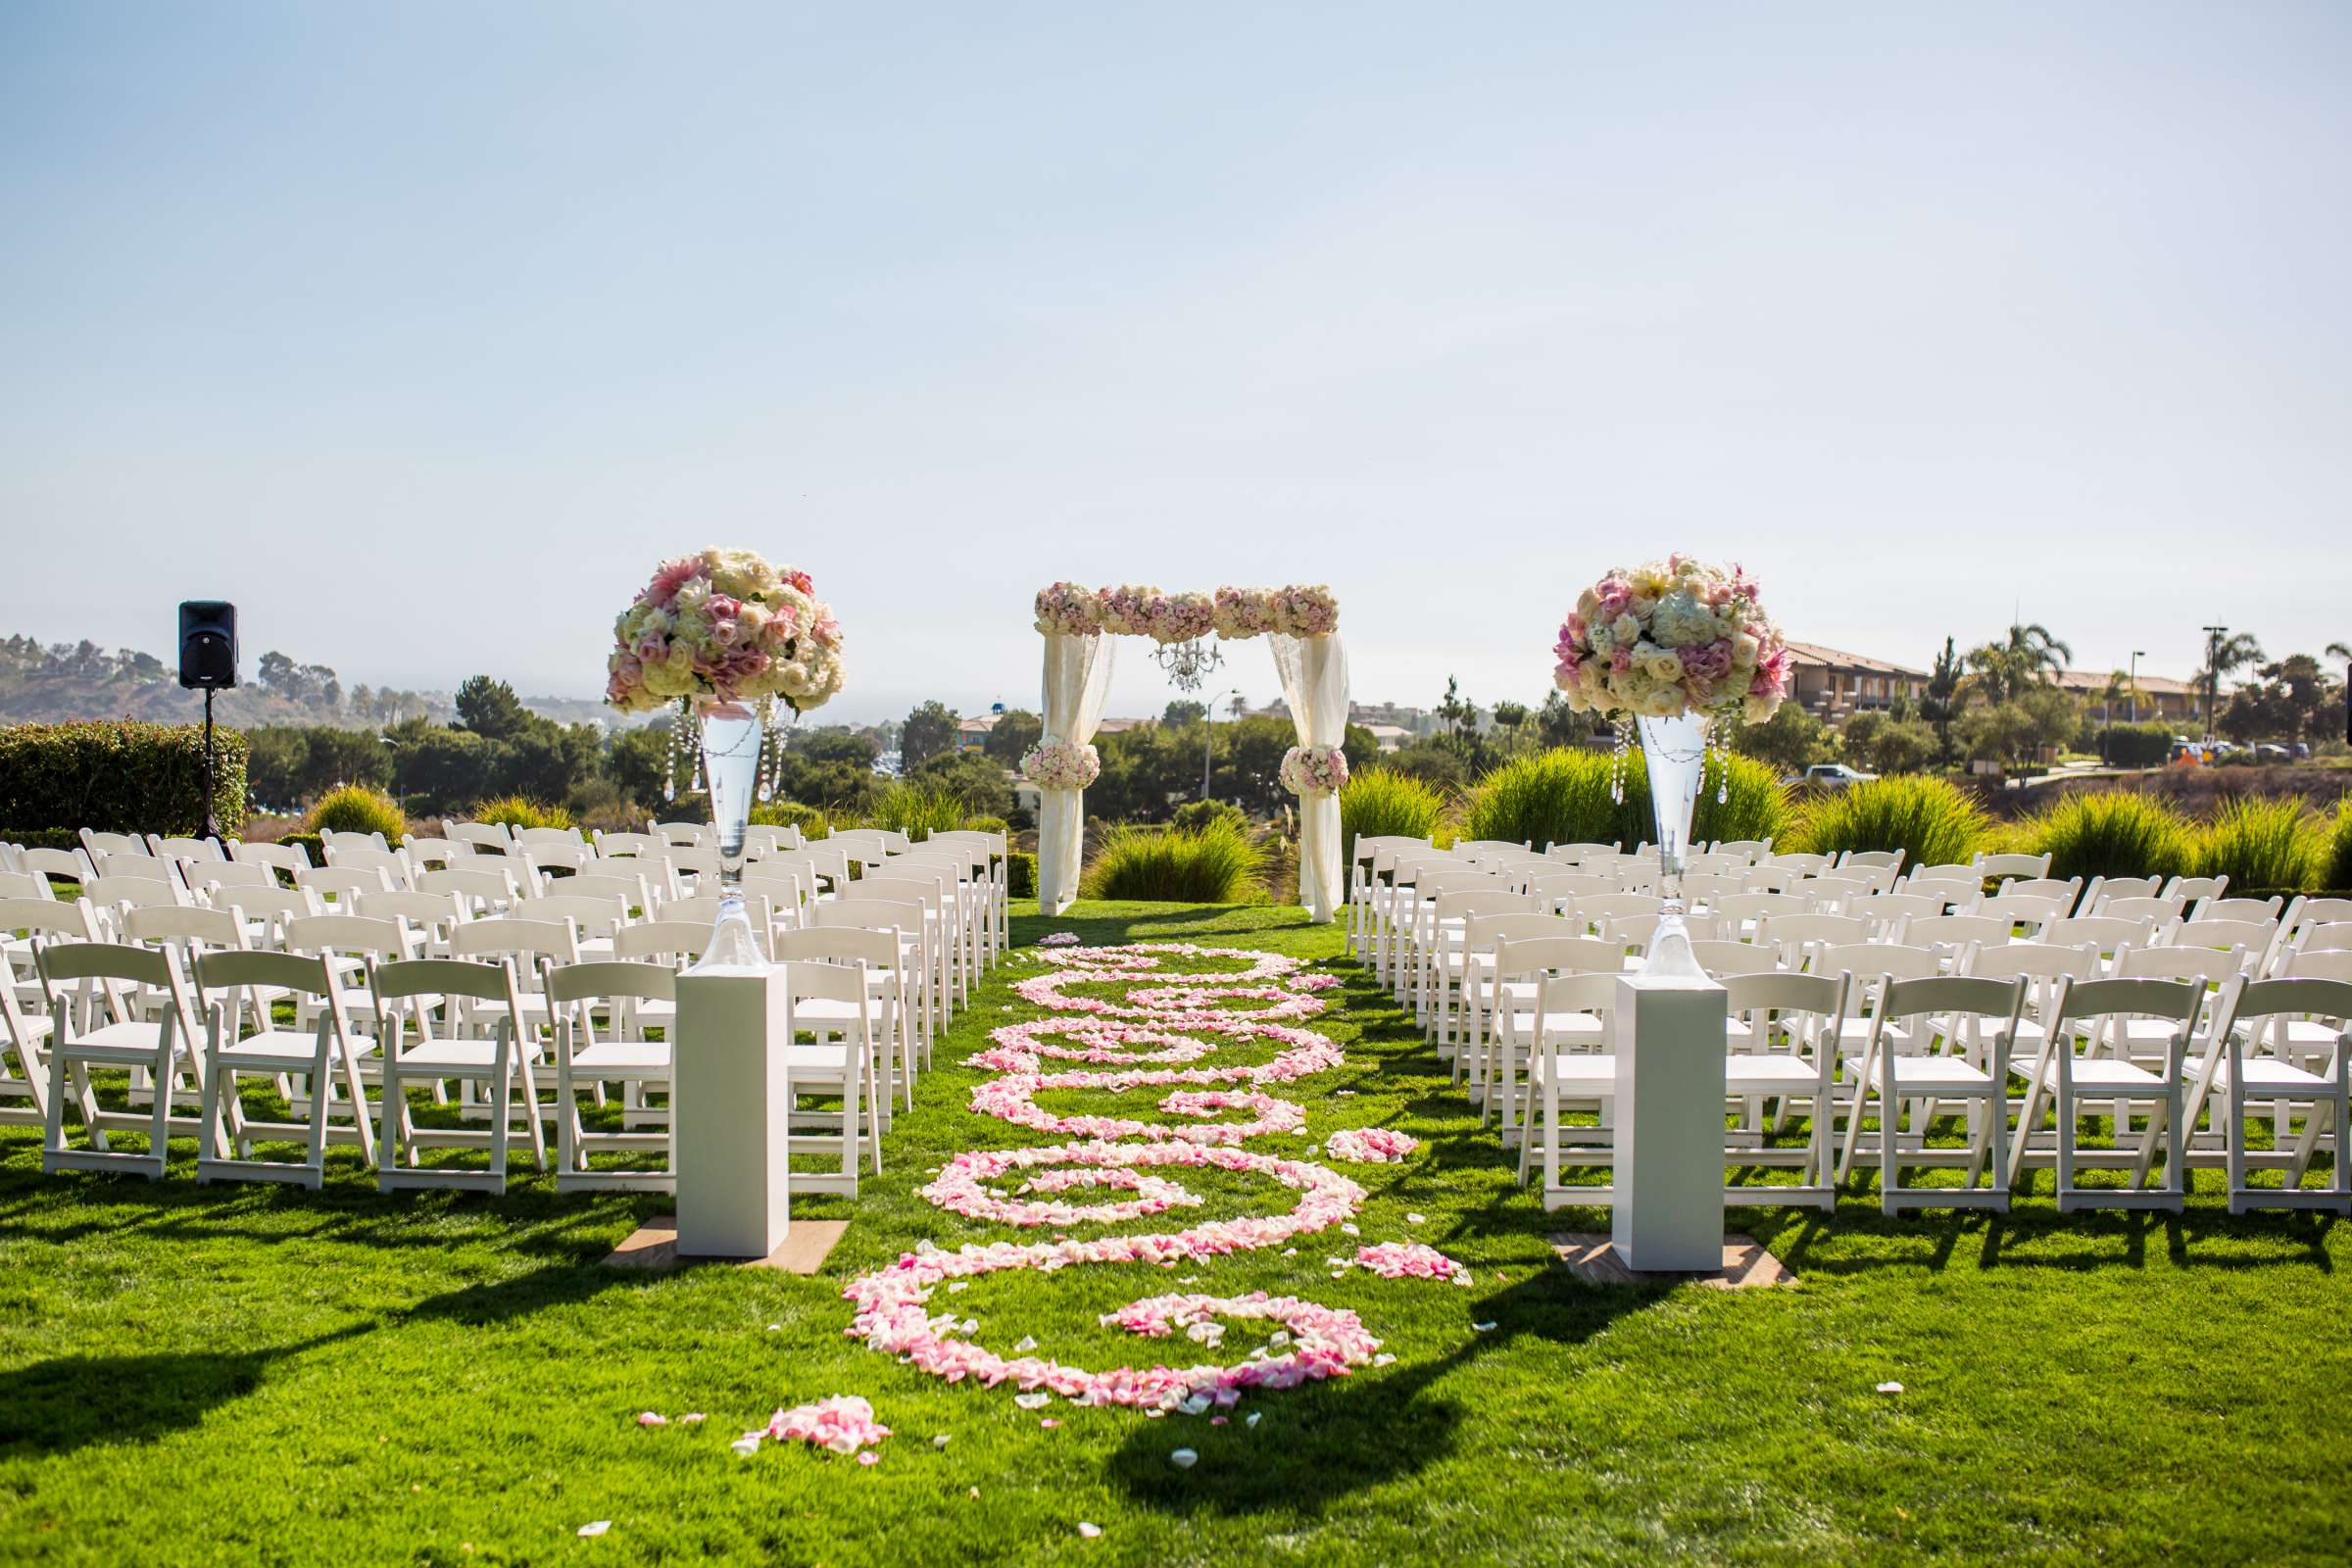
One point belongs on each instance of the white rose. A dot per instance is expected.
(1626, 629)
(1664, 703)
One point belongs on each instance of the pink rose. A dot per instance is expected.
(652, 648)
(669, 578)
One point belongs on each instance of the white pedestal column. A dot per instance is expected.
(730, 1106)
(1669, 1164)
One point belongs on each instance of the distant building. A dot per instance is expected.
(1832, 684)
(2160, 696)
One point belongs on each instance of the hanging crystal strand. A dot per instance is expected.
(669, 773)
(1622, 725)
(1719, 739)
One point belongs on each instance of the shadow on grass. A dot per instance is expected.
(531, 1219)
(72, 1402)
(1364, 1431)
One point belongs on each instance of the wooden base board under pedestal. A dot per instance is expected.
(1746, 1266)
(654, 1245)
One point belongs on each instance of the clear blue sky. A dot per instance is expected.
(421, 329)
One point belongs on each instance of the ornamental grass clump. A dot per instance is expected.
(1384, 802)
(918, 810)
(1212, 865)
(2113, 833)
(519, 811)
(1930, 820)
(1554, 797)
(355, 809)
(2263, 846)
(2335, 862)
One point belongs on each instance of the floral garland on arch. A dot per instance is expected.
(1314, 771)
(1179, 1018)
(1134, 610)
(1061, 765)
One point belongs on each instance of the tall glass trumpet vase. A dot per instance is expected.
(733, 735)
(1675, 750)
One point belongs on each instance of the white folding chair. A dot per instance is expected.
(1934, 1011)
(2237, 1070)
(1784, 1056)
(483, 1042)
(2062, 1072)
(167, 1047)
(325, 1057)
(829, 1003)
(620, 1052)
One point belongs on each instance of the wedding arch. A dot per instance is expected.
(1301, 624)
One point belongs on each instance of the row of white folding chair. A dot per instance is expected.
(163, 1044)
(1988, 1039)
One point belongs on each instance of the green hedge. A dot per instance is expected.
(118, 776)
(2135, 745)
(312, 845)
(1020, 874)
(41, 838)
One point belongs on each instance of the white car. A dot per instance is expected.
(1831, 776)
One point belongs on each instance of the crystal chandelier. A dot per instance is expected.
(1188, 663)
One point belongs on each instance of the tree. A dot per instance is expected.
(837, 743)
(1459, 717)
(2028, 655)
(2225, 655)
(2013, 733)
(489, 708)
(1510, 718)
(637, 761)
(1015, 735)
(1182, 712)
(1361, 748)
(975, 780)
(1884, 744)
(1790, 740)
(1940, 700)
(928, 731)
(2285, 706)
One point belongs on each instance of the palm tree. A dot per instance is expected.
(2223, 656)
(2341, 652)
(2028, 656)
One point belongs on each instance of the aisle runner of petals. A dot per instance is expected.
(1164, 1021)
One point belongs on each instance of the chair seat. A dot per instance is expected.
(121, 1041)
(1585, 1072)
(282, 1050)
(2098, 1074)
(1770, 1074)
(622, 1057)
(1947, 1075)
(2265, 1074)
(1560, 1028)
(456, 1055)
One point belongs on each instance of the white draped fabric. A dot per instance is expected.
(1314, 682)
(1077, 682)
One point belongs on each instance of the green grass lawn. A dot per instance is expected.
(250, 1374)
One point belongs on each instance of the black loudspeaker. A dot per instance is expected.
(208, 644)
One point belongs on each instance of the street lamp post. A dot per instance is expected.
(2135, 653)
(2213, 674)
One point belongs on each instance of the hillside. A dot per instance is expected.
(82, 680)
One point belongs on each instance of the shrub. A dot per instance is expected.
(2135, 745)
(118, 776)
(514, 811)
(41, 838)
(310, 843)
(813, 822)
(2260, 845)
(1382, 800)
(986, 824)
(1194, 815)
(1565, 796)
(2335, 865)
(356, 808)
(1556, 797)
(1929, 820)
(918, 809)
(1020, 874)
(2113, 833)
(1214, 864)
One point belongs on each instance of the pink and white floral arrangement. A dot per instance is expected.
(1061, 765)
(1669, 638)
(1133, 609)
(1313, 769)
(726, 625)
